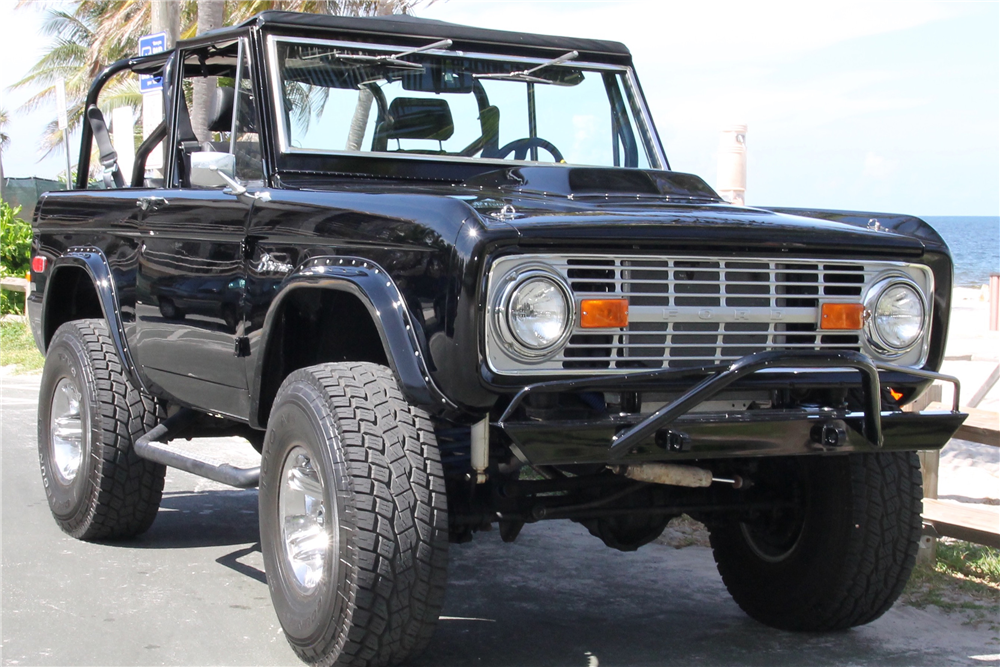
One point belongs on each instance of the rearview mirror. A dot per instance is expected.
(207, 167)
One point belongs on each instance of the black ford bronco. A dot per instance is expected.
(443, 278)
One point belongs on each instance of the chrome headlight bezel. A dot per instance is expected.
(874, 336)
(514, 281)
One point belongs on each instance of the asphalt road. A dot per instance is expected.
(191, 591)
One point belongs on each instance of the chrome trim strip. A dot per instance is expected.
(635, 91)
(236, 97)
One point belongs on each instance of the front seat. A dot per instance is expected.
(415, 118)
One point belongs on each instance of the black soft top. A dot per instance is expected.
(409, 29)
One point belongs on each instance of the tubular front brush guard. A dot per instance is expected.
(724, 376)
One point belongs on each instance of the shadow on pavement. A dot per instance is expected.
(201, 519)
(232, 561)
(557, 597)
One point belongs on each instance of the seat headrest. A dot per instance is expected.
(220, 117)
(420, 118)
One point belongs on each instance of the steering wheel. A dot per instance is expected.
(520, 147)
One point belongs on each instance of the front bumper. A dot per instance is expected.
(675, 433)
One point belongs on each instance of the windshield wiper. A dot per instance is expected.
(393, 60)
(528, 75)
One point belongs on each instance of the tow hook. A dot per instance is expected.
(830, 434)
(673, 441)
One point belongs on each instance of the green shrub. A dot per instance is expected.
(15, 255)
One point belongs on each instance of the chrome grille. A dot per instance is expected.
(693, 311)
(689, 312)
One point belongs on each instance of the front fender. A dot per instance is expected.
(936, 255)
(374, 288)
(93, 261)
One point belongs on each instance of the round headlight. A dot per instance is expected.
(898, 316)
(538, 312)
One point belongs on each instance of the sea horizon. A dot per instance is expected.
(974, 241)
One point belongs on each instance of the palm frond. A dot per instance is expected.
(4, 137)
(121, 93)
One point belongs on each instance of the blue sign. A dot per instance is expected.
(148, 45)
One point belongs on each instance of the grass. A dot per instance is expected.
(972, 561)
(965, 577)
(17, 347)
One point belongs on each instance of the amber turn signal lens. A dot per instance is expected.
(603, 313)
(842, 316)
(896, 395)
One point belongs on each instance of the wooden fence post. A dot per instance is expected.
(929, 463)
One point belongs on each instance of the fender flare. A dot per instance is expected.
(375, 289)
(93, 261)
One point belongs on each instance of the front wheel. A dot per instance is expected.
(353, 516)
(839, 552)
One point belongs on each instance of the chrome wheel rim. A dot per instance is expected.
(66, 430)
(308, 527)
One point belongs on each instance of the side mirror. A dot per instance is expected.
(209, 167)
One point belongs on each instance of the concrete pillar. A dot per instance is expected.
(123, 139)
(731, 182)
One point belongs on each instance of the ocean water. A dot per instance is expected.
(975, 246)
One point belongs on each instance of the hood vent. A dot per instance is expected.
(598, 183)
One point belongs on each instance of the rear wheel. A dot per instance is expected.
(353, 516)
(88, 417)
(838, 554)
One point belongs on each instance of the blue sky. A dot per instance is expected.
(882, 106)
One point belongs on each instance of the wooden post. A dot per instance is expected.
(929, 464)
(929, 459)
(994, 301)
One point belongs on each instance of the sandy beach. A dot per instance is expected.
(971, 472)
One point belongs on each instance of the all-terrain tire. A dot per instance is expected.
(375, 599)
(112, 493)
(849, 555)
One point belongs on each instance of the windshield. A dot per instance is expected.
(456, 105)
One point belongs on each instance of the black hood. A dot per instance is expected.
(660, 208)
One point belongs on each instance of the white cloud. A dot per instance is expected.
(878, 167)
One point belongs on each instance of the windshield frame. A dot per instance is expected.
(645, 129)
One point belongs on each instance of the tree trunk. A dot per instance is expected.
(165, 16)
(360, 120)
(363, 109)
(3, 181)
(210, 13)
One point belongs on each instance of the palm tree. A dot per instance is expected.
(91, 34)
(210, 17)
(84, 41)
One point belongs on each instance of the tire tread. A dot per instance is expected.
(125, 490)
(875, 563)
(400, 513)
